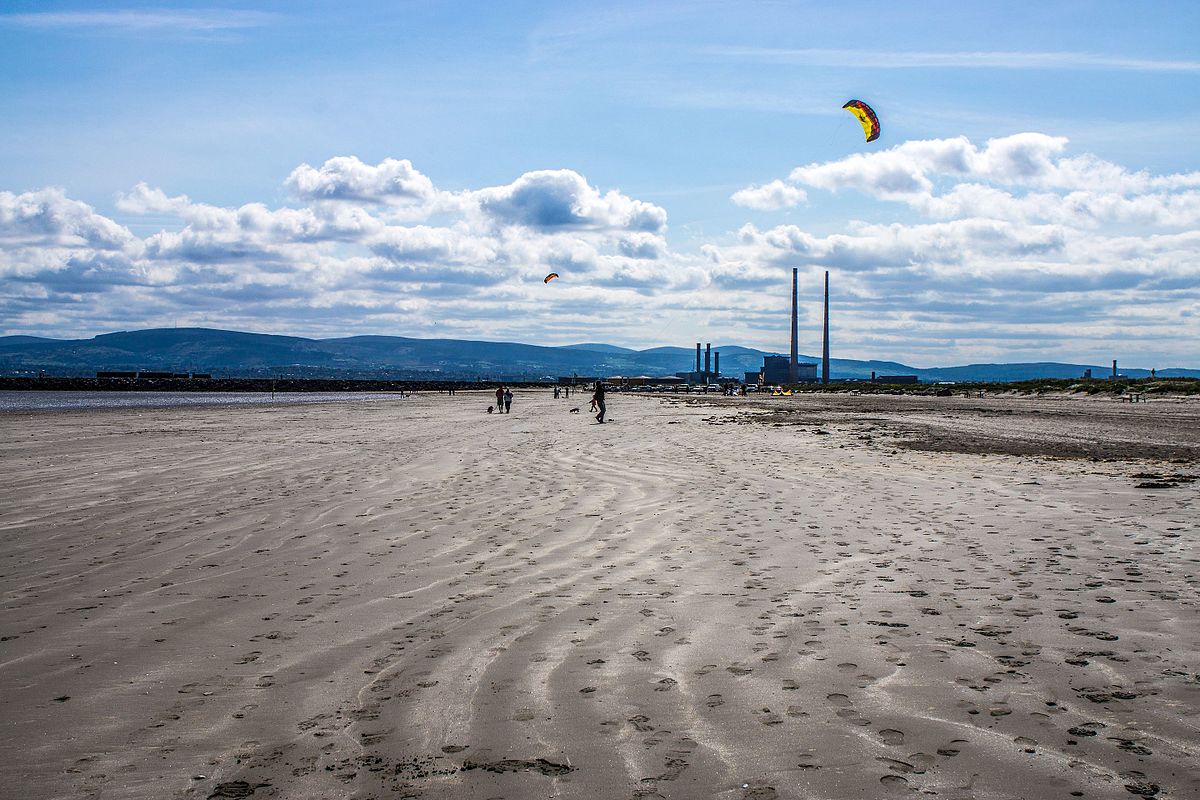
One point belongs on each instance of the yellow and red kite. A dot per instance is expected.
(550, 277)
(866, 118)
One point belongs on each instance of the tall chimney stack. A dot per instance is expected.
(707, 358)
(697, 356)
(1114, 369)
(825, 336)
(793, 370)
(717, 363)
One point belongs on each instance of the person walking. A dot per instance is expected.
(508, 401)
(500, 400)
(598, 399)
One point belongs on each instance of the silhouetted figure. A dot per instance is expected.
(500, 400)
(508, 401)
(598, 399)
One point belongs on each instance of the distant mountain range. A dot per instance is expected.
(238, 354)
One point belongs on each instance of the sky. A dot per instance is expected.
(417, 169)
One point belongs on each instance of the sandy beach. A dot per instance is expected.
(823, 596)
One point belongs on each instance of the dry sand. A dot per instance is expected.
(812, 597)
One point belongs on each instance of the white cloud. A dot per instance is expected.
(1021, 178)
(254, 231)
(144, 199)
(1017, 243)
(423, 244)
(1024, 160)
(49, 218)
(909, 169)
(563, 199)
(770, 197)
(642, 245)
(347, 178)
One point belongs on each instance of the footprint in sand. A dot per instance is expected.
(838, 700)
(952, 748)
(641, 723)
(374, 737)
(714, 700)
(891, 736)
(896, 765)
(665, 685)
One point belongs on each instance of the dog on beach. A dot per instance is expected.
(574, 410)
(490, 408)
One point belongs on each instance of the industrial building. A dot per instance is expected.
(711, 371)
(776, 370)
(780, 370)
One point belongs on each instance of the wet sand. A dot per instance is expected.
(808, 597)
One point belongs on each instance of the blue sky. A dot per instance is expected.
(672, 162)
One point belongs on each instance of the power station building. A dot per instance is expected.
(780, 370)
(711, 372)
(776, 370)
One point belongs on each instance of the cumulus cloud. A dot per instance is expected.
(145, 199)
(642, 245)
(969, 243)
(254, 231)
(423, 244)
(770, 197)
(347, 178)
(1016, 242)
(909, 168)
(1025, 177)
(563, 199)
(49, 218)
